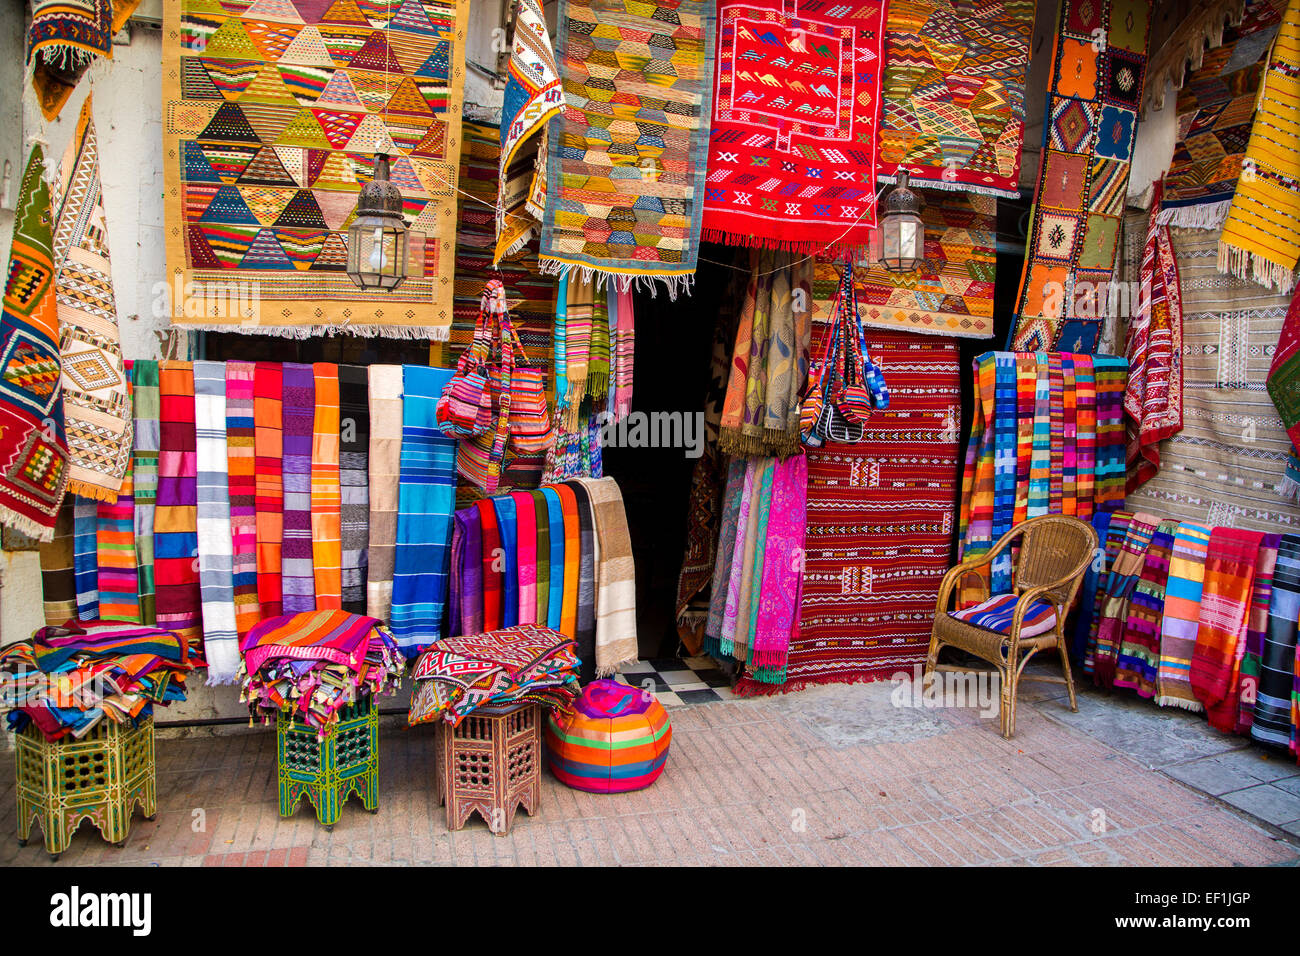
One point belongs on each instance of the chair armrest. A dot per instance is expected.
(953, 577)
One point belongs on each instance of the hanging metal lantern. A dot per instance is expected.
(902, 233)
(377, 237)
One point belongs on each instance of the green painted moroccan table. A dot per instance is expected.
(100, 778)
(327, 769)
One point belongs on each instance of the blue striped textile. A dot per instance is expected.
(425, 503)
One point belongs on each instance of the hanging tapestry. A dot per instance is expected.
(1153, 398)
(1230, 561)
(1088, 137)
(33, 451)
(1259, 241)
(1272, 716)
(625, 173)
(796, 111)
(952, 291)
(1227, 466)
(272, 116)
(96, 410)
(1215, 107)
(954, 92)
(65, 37)
(533, 95)
(879, 520)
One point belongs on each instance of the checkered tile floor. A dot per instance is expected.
(680, 681)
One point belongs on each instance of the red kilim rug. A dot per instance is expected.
(796, 108)
(880, 514)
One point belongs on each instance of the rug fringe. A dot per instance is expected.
(1194, 706)
(809, 247)
(748, 687)
(609, 670)
(431, 333)
(86, 490)
(1289, 488)
(676, 285)
(1210, 215)
(1244, 264)
(952, 187)
(26, 525)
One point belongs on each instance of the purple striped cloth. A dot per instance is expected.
(299, 416)
(996, 613)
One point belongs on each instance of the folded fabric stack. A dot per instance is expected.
(316, 662)
(560, 556)
(1202, 618)
(65, 680)
(458, 675)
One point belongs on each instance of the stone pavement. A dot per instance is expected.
(831, 775)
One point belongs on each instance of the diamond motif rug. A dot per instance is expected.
(272, 115)
(1088, 137)
(954, 111)
(627, 158)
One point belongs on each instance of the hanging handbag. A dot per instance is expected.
(479, 456)
(530, 427)
(465, 406)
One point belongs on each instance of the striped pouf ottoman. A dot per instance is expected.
(614, 739)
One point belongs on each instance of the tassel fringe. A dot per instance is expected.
(953, 187)
(1210, 215)
(809, 248)
(1245, 264)
(1194, 706)
(98, 492)
(1289, 488)
(26, 525)
(602, 279)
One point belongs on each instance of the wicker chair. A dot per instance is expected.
(1055, 551)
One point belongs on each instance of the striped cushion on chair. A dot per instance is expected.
(996, 613)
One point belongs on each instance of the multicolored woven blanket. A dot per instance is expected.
(33, 456)
(1098, 68)
(625, 172)
(65, 37)
(954, 93)
(272, 116)
(796, 113)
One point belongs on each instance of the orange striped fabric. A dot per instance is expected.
(326, 494)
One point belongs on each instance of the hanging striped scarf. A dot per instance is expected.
(625, 352)
(58, 583)
(1040, 451)
(268, 450)
(1112, 374)
(85, 555)
(1272, 715)
(587, 545)
(144, 470)
(175, 530)
(1178, 628)
(1069, 435)
(216, 551)
(1138, 661)
(728, 528)
(326, 501)
(1153, 397)
(1125, 570)
(782, 582)
(573, 345)
(1230, 562)
(1085, 379)
(742, 564)
(354, 481)
(1088, 596)
(426, 501)
(298, 582)
(1252, 650)
(241, 464)
(119, 597)
(1111, 545)
(752, 581)
(615, 577)
(385, 466)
